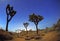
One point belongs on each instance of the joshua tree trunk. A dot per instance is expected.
(37, 29)
(26, 31)
(7, 24)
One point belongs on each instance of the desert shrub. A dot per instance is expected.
(43, 34)
(27, 38)
(37, 37)
(5, 35)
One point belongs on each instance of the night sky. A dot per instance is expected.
(49, 9)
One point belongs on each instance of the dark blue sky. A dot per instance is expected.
(49, 9)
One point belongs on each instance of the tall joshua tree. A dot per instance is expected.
(26, 25)
(10, 13)
(36, 19)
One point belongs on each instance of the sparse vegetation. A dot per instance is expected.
(47, 34)
(53, 34)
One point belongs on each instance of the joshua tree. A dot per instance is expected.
(36, 19)
(10, 13)
(26, 25)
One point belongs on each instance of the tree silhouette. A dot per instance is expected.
(10, 13)
(26, 25)
(36, 19)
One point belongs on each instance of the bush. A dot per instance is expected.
(27, 38)
(5, 35)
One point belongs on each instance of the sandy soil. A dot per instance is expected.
(22, 39)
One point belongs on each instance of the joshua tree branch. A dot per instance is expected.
(10, 19)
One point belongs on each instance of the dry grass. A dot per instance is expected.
(51, 36)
